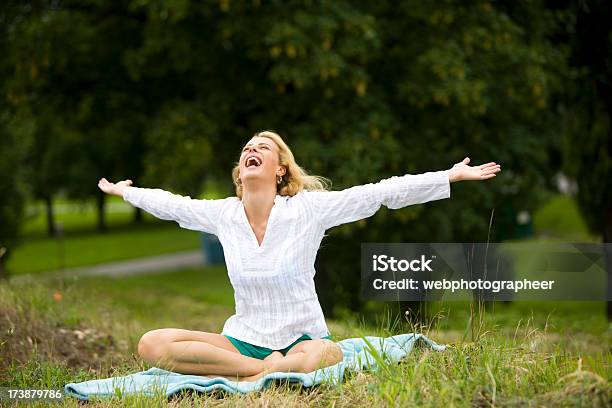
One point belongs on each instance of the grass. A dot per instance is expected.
(76, 217)
(45, 254)
(521, 354)
(53, 332)
(82, 245)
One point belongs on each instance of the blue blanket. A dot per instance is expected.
(359, 354)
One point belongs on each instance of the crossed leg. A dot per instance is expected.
(196, 352)
(201, 353)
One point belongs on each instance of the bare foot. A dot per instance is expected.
(270, 367)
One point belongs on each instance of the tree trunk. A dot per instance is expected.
(605, 91)
(600, 33)
(3, 272)
(137, 215)
(101, 216)
(50, 216)
(607, 239)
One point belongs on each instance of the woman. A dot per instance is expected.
(270, 233)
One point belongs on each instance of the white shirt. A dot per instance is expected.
(274, 290)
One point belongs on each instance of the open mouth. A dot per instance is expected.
(252, 162)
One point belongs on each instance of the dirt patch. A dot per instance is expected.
(24, 336)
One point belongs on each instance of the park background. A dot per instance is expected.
(165, 93)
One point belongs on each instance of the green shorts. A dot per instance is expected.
(259, 352)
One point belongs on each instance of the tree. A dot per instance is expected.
(588, 119)
(431, 85)
(87, 115)
(13, 190)
(361, 91)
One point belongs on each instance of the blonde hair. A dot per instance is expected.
(295, 178)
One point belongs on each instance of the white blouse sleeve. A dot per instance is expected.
(333, 208)
(193, 214)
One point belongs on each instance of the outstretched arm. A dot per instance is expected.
(334, 208)
(193, 214)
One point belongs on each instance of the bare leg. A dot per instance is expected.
(199, 353)
(195, 357)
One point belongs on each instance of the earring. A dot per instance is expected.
(280, 180)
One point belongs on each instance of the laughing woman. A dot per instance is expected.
(270, 233)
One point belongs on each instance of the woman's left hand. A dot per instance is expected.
(461, 171)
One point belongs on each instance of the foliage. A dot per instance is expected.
(166, 93)
(587, 115)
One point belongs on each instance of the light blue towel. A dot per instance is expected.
(359, 354)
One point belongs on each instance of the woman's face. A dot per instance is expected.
(259, 160)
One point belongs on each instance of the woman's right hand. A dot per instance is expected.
(114, 188)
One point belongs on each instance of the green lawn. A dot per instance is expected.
(44, 254)
(522, 354)
(79, 218)
(76, 217)
(82, 245)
